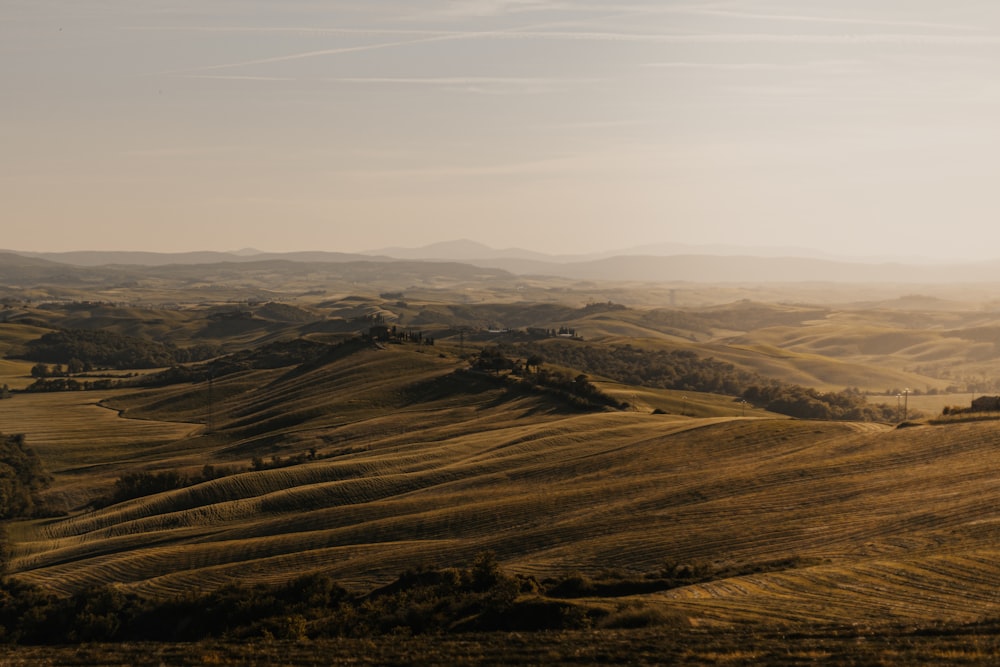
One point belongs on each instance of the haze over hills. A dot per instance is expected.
(662, 263)
(140, 258)
(468, 250)
(708, 269)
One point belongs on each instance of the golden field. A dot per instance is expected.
(839, 533)
(873, 523)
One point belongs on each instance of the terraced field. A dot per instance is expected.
(829, 522)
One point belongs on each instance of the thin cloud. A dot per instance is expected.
(315, 54)
(818, 64)
(474, 84)
(294, 30)
(423, 37)
(484, 85)
(237, 77)
(882, 38)
(502, 7)
(831, 19)
(697, 38)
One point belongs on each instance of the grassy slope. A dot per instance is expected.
(879, 349)
(84, 445)
(16, 373)
(888, 524)
(870, 348)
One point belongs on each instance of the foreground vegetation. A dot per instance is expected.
(902, 646)
(480, 597)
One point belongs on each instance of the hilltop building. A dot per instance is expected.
(986, 404)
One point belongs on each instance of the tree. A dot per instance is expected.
(21, 477)
(39, 371)
(533, 361)
(492, 358)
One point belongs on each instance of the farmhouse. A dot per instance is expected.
(381, 333)
(986, 404)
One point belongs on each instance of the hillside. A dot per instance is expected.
(276, 444)
(800, 520)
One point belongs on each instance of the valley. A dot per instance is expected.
(642, 465)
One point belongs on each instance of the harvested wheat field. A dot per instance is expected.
(803, 522)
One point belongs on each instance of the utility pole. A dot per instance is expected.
(906, 400)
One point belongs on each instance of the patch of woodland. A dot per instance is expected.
(665, 369)
(530, 377)
(139, 484)
(684, 370)
(302, 353)
(479, 597)
(82, 350)
(22, 479)
(146, 483)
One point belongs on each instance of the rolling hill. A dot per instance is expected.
(310, 452)
(803, 521)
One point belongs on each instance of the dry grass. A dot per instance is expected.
(651, 646)
(82, 443)
(883, 525)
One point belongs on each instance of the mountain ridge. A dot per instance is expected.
(698, 268)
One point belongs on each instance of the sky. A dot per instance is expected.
(565, 126)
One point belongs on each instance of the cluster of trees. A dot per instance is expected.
(22, 478)
(57, 371)
(259, 463)
(577, 389)
(532, 333)
(807, 403)
(87, 349)
(480, 597)
(684, 370)
(392, 334)
(666, 369)
(144, 483)
(272, 355)
(72, 384)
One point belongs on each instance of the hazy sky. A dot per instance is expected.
(867, 128)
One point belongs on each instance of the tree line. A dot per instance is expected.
(685, 370)
(529, 375)
(22, 478)
(82, 350)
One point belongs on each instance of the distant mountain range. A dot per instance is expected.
(662, 263)
(676, 262)
(464, 250)
(129, 258)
